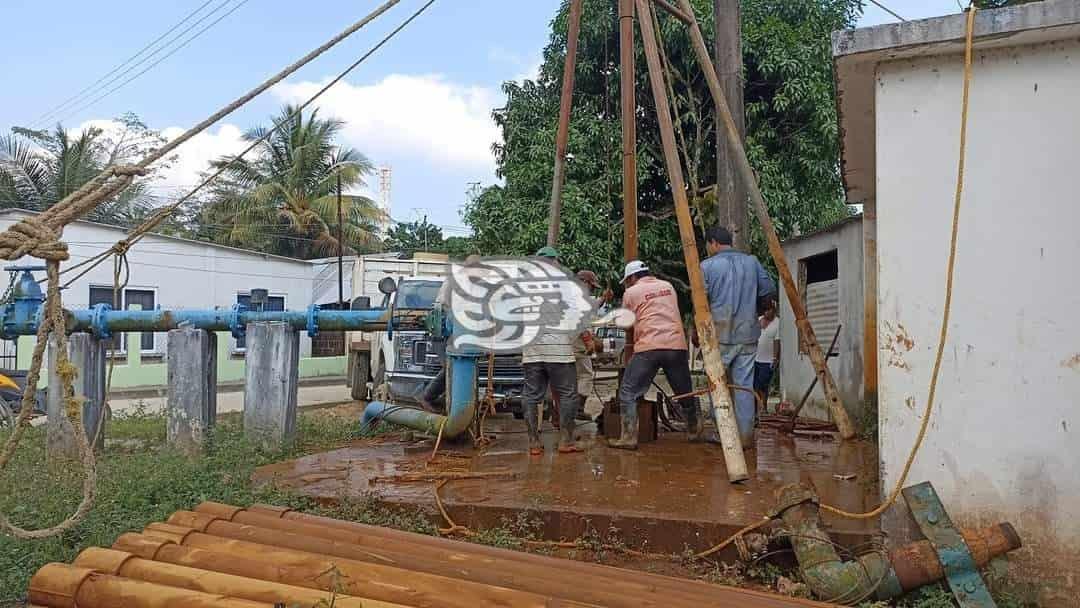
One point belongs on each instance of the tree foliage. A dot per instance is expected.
(792, 139)
(283, 198)
(38, 168)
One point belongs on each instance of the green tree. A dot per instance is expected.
(410, 237)
(40, 168)
(283, 198)
(791, 136)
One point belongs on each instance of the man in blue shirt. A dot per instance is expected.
(736, 282)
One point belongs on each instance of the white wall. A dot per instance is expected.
(185, 274)
(796, 371)
(1004, 442)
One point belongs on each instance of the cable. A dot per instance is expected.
(887, 9)
(63, 104)
(947, 309)
(183, 44)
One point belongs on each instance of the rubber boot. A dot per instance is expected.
(695, 427)
(567, 422)
(536, 445)
(628, 439)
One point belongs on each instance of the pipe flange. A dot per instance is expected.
(98, 325)
(792, 495)
(236, 328)
(313, 320)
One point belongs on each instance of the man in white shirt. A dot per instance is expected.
(767, 360)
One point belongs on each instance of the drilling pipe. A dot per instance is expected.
(875, 575)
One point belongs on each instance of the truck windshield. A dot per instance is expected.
(417, 294)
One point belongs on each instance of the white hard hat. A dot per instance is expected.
(634, 267)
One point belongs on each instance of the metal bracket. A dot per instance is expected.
(235, 326)
(313, 320)
(97, 322)
(963, 576)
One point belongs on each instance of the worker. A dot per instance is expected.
(433, 397)
(549, 361)
(736, 284)
(767, 361)
(655, 341)
(585, 346)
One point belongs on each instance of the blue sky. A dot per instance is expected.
(421, 105)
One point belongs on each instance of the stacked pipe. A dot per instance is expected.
(221, 555)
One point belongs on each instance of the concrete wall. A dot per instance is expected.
(183, 273)
(796, 372)
(1002, 443)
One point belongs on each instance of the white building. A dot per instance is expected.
(1002, 443)
(171, 272)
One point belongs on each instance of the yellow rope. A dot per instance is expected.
(948, 294)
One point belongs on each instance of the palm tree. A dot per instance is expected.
(40, 168)
(283, 199)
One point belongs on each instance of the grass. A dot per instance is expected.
(142, 481)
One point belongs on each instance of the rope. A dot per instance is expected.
(39, 237)
(136, 234)
(732, 538)
(948, 294)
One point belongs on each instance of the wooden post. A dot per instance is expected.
(723, 408)
(563, 133)
(59, 432)
(730, 191)
(191, 402)
(628, 100)
(87, 354)
(272, 374)
(746, 174)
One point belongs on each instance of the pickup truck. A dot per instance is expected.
(405, 360)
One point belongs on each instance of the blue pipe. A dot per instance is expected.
(102, 321)
(461, 399)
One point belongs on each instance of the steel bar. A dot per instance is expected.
(562, 135)
(723, 407)
(628, 117)
(813, 383)
(746, 173)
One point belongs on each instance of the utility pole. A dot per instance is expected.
(628, 100)
(340, 249)
(563, 133)
(730, 191)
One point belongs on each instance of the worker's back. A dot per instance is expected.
(734, 281)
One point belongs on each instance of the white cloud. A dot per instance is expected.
(423, 116)
(195, 155)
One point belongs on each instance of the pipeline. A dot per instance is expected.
(461, 401)
(22, 314)
(879, 575)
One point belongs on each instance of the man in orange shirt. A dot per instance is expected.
(656, 341)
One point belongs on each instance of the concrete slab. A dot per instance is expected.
(666, 497)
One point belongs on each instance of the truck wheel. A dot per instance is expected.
(358, 374)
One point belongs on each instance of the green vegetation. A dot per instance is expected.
(142, 481)
(38, 168)
(791, 136)
(282, 197)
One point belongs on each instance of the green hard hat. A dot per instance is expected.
(547, 252)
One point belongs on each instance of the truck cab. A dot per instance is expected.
(406, 360)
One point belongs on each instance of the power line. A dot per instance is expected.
(56, 108)
(172, 52)
(887, 9)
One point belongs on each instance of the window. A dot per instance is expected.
(417, 294)
(273, 304)
(819, 282)
(145, 298)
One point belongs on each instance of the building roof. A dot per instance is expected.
(121, 230)
(858, 52)
(827, 229)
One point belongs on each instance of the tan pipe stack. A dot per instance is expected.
(126, 565)
(226, 556)
(375, 581)
(64, 586)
